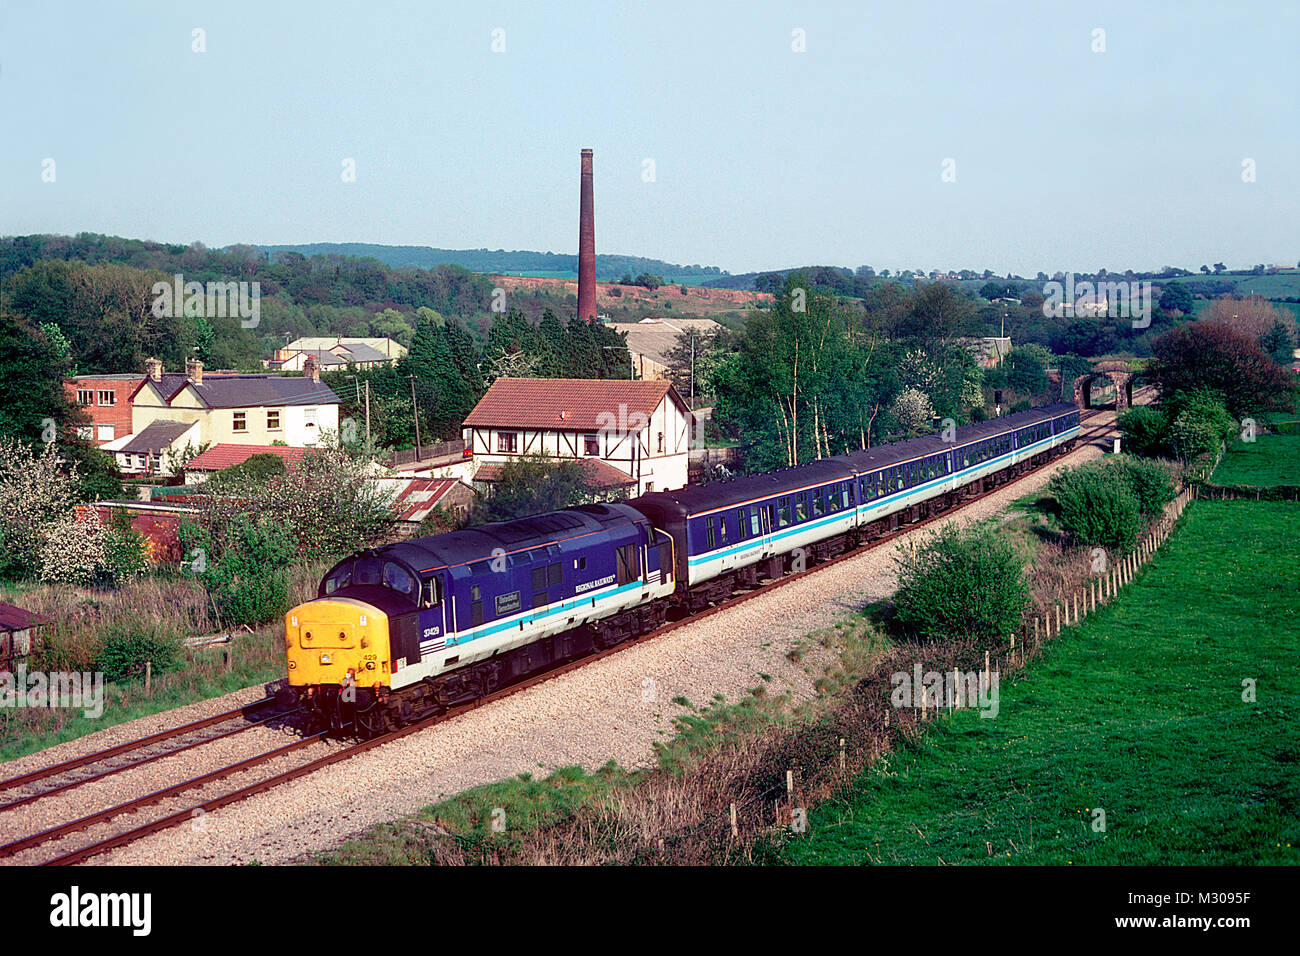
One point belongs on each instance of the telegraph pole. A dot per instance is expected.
(369, 447)
(416, 409)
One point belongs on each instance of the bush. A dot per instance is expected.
(125, 555)
(1145, 431)
(960, 583)
(126, 649)
(1150, 483)
(1095, 509)
(1201, 424)
(246, 574)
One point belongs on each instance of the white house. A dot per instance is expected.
(633, 434)
(239, 408)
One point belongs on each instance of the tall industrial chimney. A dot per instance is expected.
(586, 246)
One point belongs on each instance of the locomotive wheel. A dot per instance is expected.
(373, 721)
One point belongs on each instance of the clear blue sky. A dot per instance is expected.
(764, 157)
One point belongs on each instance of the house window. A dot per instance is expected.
(107, 397)
(85, 396)
(241, 421)
(105, 432)
(506, 442)
(273, 420)
(591, 445)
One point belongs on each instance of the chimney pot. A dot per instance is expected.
(194, 369)
(312, 368)
(154, 369)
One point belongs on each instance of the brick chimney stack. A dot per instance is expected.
(194, 369)
(586, 245)
(312, 368)
(154, 369)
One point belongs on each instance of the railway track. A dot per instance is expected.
(191, 810)
(68, 774)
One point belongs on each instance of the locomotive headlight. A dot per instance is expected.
(370, 665)
(292, 665)
(325, 659)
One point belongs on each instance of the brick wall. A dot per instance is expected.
(117, 414)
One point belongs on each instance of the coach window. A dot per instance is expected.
(783, 512)
(740, 522)
(817, 505)
(801, 506)
(755, 524)
(709, 533)
(722, 528)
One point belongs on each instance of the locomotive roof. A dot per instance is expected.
(477, 543)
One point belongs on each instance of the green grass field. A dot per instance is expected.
(1137, 712)
(1267, 461)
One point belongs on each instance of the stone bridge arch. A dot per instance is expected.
(1119, 374)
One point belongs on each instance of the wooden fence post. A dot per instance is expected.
(735, 830)
(148, 675)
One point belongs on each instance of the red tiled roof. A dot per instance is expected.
(420, 496)
(601, 474)
(13, 618)
(223, 456)
(578, 404)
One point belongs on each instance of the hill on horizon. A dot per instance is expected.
(499, 261)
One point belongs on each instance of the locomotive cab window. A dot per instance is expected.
(397, 578)
(341, 578)
(431, 592)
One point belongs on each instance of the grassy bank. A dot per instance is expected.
(1138, 712)
(1267, 461)
(157, 611)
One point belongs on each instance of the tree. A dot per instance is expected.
(535, 484)
(1176, 298)
(1208, 354)
(1253, 315)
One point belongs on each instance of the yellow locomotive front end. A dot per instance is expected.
(338, 658)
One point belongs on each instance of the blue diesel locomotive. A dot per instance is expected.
(407, 630)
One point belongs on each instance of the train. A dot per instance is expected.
(408, 630)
